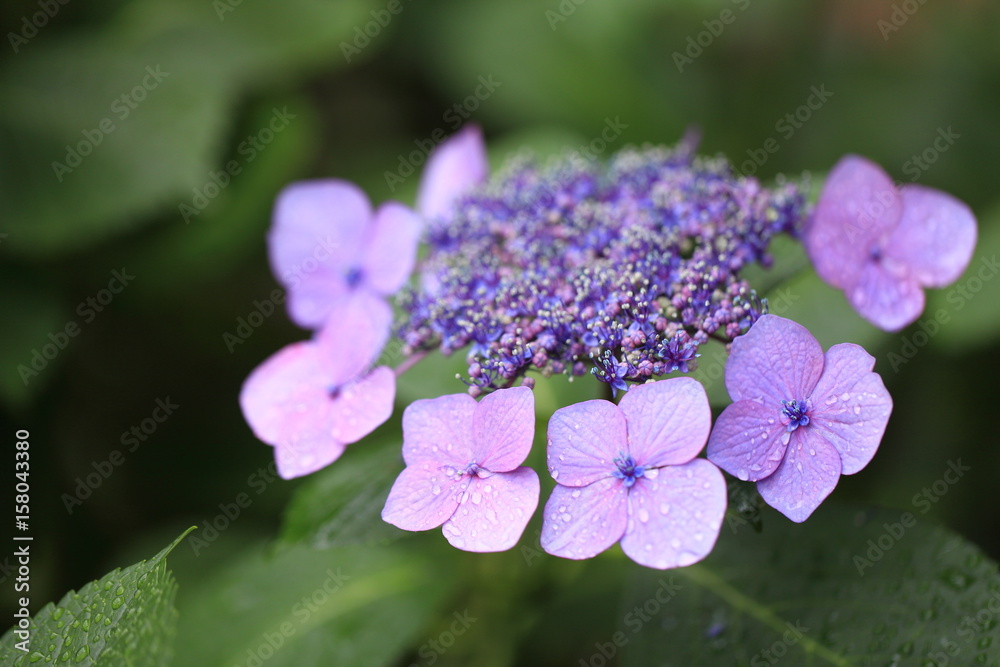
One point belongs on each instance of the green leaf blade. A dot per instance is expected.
(127, 617)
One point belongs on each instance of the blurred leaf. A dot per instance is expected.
(342, 505)
(350, 606)
(136, 112)
(473, 41)
(125, 618)
(210, 240)
(962, 326)
(898, 590)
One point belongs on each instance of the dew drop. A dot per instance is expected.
(436, 489)
(575, 494)
(857, 409)
(643, 515)
(664, 508)
(742, 474)
(476, 497)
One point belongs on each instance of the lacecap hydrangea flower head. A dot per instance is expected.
(616, 272)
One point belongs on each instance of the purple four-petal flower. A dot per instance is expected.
(883, 245)
(800, 418)
(463, 469)
(628, 472)
(313, 398)
(327, 247)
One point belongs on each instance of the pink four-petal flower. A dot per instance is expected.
(883, 245)
(327, 246)
(463, 469)
(313, 398)
(800, 418)
(628, 472)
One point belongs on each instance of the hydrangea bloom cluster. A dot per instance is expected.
(620, 270)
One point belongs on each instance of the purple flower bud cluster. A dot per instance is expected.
(620, 269)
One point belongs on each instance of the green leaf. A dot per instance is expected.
(342, 505)
(845, 588)
(115, 124)
(350, 606)
(125, 618)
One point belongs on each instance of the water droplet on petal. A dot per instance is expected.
(643, 515)
(664, 508)
(742, 474)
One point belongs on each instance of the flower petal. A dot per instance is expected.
(852, 417)
(362, 406)
(583, 441)
(675, 517)
(858, 208)
(392, 248)
(453, 167)
(503, 428)
(806, 476)
(308, 449)
(316, 236)
(272, 393)
(439, 430)
(886, 296)
(582, 522)
(424, 496)
(776, 360)
(749, 440)
(668, 421)
(353, 338)
(935, 237)
(493, 511)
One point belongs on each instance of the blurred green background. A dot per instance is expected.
(150, 138)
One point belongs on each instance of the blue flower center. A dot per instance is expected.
(627, 470)
(353, 277)
(797, 412)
